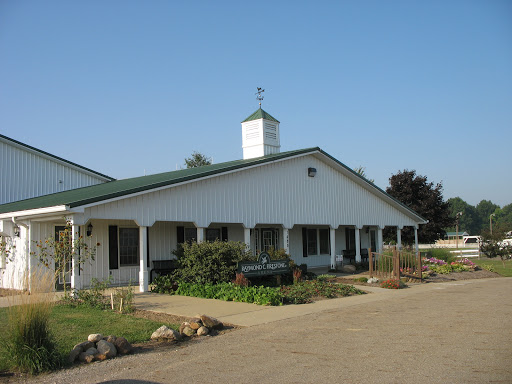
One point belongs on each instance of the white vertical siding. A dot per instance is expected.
(25, 174)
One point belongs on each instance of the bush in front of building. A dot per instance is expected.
(209, 262)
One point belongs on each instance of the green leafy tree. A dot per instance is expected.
(197, 160)
(426, 199)
(495, 244)
(362, 172)
(469, 220)
(484, 209)
(504, 215)
(59, 253)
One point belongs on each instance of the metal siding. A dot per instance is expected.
(24, 174)
(276, 193)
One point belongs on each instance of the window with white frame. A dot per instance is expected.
(128, 246)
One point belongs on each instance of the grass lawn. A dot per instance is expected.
(71, 326)
(497, 264)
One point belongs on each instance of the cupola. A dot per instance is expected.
(260, 135)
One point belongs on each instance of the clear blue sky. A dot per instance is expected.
(127, 87)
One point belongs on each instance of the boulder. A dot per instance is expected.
(211, 322)
(73, 355)
(202, 331)
(110, 339)
(183, 325)
(100, 357)
(165, 333)
(106, 348)
(123, 346)
(348, 268)
(85, 358)
(195, 323)
(188, 331)
(95, 337)
(85, 345)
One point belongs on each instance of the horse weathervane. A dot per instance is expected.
(259, 96)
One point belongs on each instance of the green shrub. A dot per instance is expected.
(392, 284)
(442, 254)
(209, 262)
(305, 291)
(164, 284)
(488, 267)
(441, 269)
(324, 277)
(361, 279)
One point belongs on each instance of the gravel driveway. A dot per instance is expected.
(457, 332)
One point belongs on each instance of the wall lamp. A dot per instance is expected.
(89, 230)
(16, 231)
(311, 172)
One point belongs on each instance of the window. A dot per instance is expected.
(350, 238)
(128, 246)
(212, 234)
(315, 241)
(190, 235)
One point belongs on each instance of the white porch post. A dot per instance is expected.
(200, 234)
(416, 245)
(31, 237)
(332, 238)
(380, 241)
(75, 267)
(399, 237)
(247, 238)
(143, 253)
(358, 245)
(286, 240)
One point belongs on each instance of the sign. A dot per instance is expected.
(264, 266)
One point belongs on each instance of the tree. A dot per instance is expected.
(469, 220)
(504, 215)
(484, 209)
(424, 198)
(59, 253)
(495, 244)
(197, 160)
(361, 171)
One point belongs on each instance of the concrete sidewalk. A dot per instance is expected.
(245, 314)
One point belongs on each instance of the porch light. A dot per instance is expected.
(16, 231)
(89, 229)
(311, 172)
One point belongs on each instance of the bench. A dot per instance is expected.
(350, 254)
(163, 267)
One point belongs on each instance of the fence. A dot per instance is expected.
(394, 265)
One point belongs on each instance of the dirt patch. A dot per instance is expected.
(436, 278)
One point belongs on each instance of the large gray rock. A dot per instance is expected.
(211, 322)
(110, 339)
(88, 356)
(95, 337)
(349, 268)
(188, 331)
(73, 355)
(85, 345)
(123, 346)
(106, 348)
(165, 333)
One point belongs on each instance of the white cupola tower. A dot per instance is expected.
(260, 135)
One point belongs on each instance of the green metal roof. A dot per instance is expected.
(260, 114)
(55, 157)
(95, 193)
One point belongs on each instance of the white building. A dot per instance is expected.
(27, 172)
(304, 201)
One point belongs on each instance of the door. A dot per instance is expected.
(60, 235)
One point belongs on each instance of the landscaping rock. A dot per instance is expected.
(348, 268)
(165, 333)
(73, 355)
(100, 357)
(106, 348)
(123, 346)
(195, 323)
(95, 337)
(85, 345)
(183, 325)
(85, 358)
(189, 331)
(211, 322)
(202, 331)
(110, 339)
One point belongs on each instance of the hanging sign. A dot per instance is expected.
(264, 266)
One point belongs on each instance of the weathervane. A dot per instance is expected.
(260, 96)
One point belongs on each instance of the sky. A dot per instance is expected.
(129, 88)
